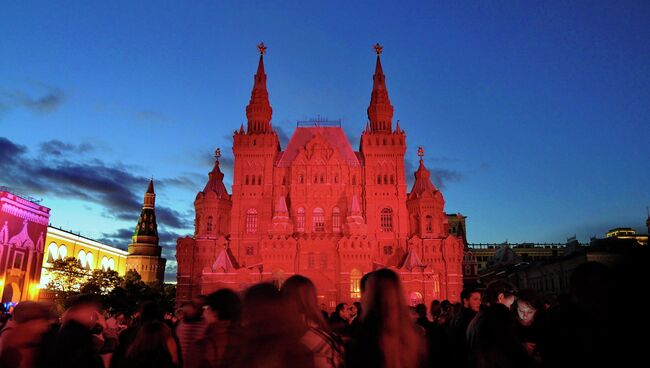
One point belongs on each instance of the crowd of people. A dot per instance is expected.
(267, 326)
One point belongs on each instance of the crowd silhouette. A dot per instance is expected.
(266, 326)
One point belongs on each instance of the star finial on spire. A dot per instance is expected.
(420, 152)
(217, 153)
(262, 48)
(378, 48)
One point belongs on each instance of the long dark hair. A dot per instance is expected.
(302, 292)
(150, 347)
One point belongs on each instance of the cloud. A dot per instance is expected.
(439, 177)
(47, 99)
(113, 186)
(55, 147)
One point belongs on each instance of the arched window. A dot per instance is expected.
(336, 220)
(385, 179)
(246, 180)
(322, 178)
(378, 179)
(259, 180)
(52, 252)
(355, 284)
(386, 219)
(318, 216)
(81, 257)
(89, 261)
(251, 221)
(300, 220)
(104, 263)
(209, 226)
(63, 251)
(428, 221)
(311, 260)
(111, 264)
(392, 179)
(315, 179)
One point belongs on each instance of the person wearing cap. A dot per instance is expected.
(21, 337)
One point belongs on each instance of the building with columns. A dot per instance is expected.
(321, 209)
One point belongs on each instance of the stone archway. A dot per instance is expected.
(11, 293)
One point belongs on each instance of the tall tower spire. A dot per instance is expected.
(380, 111)
(259, 111)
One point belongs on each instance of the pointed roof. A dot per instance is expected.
(355, 208)
(215, 179)
(22, 239)
(281, 206)
(422, 182)
(412, 260)
(335, 137)
(150, 187)
(226, 261)
(259, 111)
(380, 111)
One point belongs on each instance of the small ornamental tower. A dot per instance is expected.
(144, 251)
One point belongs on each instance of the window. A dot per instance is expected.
(319, 219)
(386, 219)
(250, 251)
(336, 219)
(378, 179)
(246, 180)
(251, 221)
(284, 180)
(388, 250)
(392, 179)
(209, 228)
(89, 261)
(302, 179)
(111, 264)
(18, 259)
(52, 252)
(81, 257)
(336, 179)
(355, 281)
(385, 179)
(63, 251)
(322, 179)
(259, 180)
(311, 260)
(104, 263)
(300, 220)
(428, 220)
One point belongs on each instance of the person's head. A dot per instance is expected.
(343, 311)
(357, 306)
(83, 309)
(190, 311)
(33, 318)
(471, 299)
(150, 311)
(499, 292)
(223, 305)
(421, 310)
(154, 339)
(435, 308)
(300, 291)
(527, 305)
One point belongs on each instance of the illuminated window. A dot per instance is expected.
(300, 220)
(52, 252)
(18, 259)
(386, 219)
(89, 261)
(111, 264)
(319, 219)
(251, 221)
(63, 251)
(81, 257)
(429, 223)
(336, 220)
(209, 224)
(104, 263)
(355, 281)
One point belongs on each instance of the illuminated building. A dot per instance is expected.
(628, 233)
(144, 252)
(493, 254)
(321, 209)
(23, 228)
(91, 254)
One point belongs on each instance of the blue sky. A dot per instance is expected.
(534, 116)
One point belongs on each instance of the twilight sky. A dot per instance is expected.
(535, 118)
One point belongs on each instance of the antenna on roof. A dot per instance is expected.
(318, 121)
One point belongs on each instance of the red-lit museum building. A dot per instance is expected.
(321, 209)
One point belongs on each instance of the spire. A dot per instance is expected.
(146, 231)
(380, 111)
(422, 182)
(259, 111)
(281, 207)
(355, 208)
(215, 179)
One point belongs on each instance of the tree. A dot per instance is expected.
(101, 282)
(66, 277)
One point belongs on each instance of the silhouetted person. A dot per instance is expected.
(20, 339)
(221, 344)
(326, 350)
(272, 330)
(387, 337)
(457, 343)
(189, 330)
(153, 347)
(148, 311)
(340, 320)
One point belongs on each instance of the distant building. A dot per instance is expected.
(23, 228)
(144, 254)
(493, 254)
(91, 254)
(628, 233)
